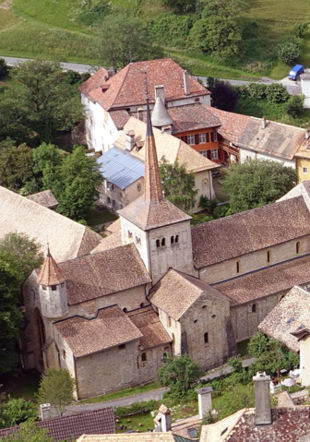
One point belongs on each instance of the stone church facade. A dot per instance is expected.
(158, 286)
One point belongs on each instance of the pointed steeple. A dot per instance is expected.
(50, 273)
(152, 184)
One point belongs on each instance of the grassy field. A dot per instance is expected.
(51, 29)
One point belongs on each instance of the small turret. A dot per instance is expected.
(52, 289)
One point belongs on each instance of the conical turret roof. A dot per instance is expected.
(160, 115)
(50, 273)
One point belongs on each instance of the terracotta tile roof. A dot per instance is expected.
(291, 313)
(50, 273)
(167, 146)
(147, 321)
(71, 427)
(249, 231)
(271, 280)
(67, 239)
(176, 292)
(94, 81)
(126, 88)
(288, 425)
(192, 117)
(131, 437)
(45, 198)
(111, 327)
(120, 118)
(151, 214)
(101, 274)
(110, 242)
(232, 124)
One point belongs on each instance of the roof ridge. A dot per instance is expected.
(126, 69)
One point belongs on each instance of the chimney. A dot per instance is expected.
(264, 123)
(262, 399)
(111, 72)
(307, 134)
(130, 140)
(160, 92)
(140, 113)
(204, 401)
(45, 411)
(163, 420)
(186, 82)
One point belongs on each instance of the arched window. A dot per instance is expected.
(297, 247)
(253, 308)
(163, 242)
(206, 338)
(143, 357)
(176, 238)
(157, 243)
(172, 240)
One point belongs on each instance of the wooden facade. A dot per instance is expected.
(204, 141)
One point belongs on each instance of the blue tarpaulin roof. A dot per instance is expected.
(119, 167)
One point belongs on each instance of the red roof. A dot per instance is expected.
(70, 427)
(232, 124)
(127, 87)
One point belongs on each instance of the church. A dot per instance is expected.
(158, 286)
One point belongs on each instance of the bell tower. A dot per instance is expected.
(160, 230)
(52, 289)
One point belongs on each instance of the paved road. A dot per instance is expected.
(157, 395)
(80, 68)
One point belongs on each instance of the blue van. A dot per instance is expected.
(296, 71)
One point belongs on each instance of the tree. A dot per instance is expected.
(180, 373)
(18, 256)
(16, 411)
(25, 251)
(42, 100)
(56, 388)
(181, 6)
(256, 183)
(295, 106)
(219, 30)
(178, 184)
(289, 49)
(74, 182)
(224, 96)
(126, 39)
(30, 432)
(15, 166)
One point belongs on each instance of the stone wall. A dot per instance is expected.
(116, 368)
(246, 317)
(256, 260)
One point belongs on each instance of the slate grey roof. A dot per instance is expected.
(160, 116)
(119, 167)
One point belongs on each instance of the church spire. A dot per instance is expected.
(50, 273)
(152, 184)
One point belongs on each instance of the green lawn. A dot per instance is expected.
(122, 393)
(50, 29)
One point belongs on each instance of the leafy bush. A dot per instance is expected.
(16, 411)
(4, 70)
(170, 30)
(180, 6)
(95, 14)
(235, 363)
(208, 205)
(220, 211)
(136, 408)
(295, 106)
(198, 218)
(300, 29)
(258, 345)
(276, 93)
(289, 49)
